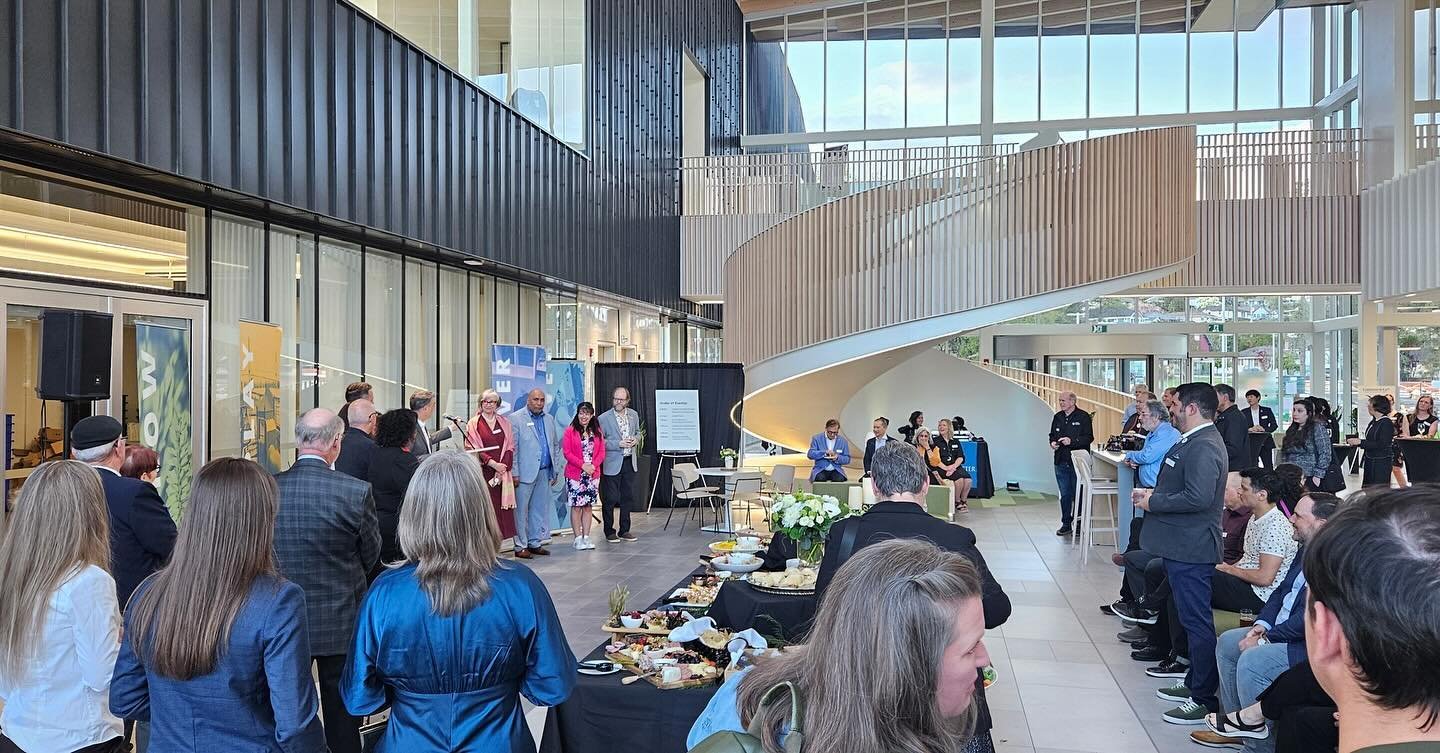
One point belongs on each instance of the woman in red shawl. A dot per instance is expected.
(490, 433)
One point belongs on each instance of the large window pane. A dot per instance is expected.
(805, 57)
(1017, 69)
(1112, 60)
(1162, 66)
(925, 66)
(560, 326)
(482, 330)
(1160, 308)
(341, 282)
(1259, 52)
(885, 66)
(453, 387)
(507, 313)
(1210, 308)
(489, 48)
(1212, 69)
(1260, 308)
(529, 315)
(845, 69)
(964, 61)
(384, 316)
(1062, 69)
(422, 334)
(237, 272)
(1295, 34)
(292, 307)
(76, 233)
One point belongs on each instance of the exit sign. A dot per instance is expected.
(1215, 328)
(1099, 328)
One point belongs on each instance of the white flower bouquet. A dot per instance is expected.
(806, 518)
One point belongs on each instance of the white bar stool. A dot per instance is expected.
(1088, 488)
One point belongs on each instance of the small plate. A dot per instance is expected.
(587, 668)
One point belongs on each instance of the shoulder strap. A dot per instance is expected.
(847, 542)
(794, 738)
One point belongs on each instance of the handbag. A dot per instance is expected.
(750, 741)
(1334, 479)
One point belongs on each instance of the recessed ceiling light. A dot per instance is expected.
(474, 262)
(1411, 295)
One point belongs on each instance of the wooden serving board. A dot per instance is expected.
(694, 682)
(622, 630)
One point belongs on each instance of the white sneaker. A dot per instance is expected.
(588, 544)
(579, 543)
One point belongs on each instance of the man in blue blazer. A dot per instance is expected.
(1249, 659)
(830, 452)
(539, 472)
(142, 532)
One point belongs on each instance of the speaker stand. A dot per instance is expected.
(75, 410)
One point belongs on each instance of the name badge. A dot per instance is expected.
(1170, 462)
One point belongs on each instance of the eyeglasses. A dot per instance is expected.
(489, 402)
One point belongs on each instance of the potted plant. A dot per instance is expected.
(807, 519)
(728, 456)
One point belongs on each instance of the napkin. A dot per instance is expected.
(740, 641)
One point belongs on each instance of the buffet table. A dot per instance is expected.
(602, 716)
(739, 606)
(1422, 459)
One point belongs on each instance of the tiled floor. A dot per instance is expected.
(1066, 684)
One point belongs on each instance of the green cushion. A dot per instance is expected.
(1225, 620)
(937, 501)
(838, 489)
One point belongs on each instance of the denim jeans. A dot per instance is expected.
(1065, 479)
(1244, 675)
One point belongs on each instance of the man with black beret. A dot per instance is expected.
(141, 530)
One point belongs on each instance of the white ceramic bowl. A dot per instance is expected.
(631, 623)
(724, 563)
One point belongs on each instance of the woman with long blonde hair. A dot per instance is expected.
(216, 652)
(450, 638)
(59, 617)
(889, 664)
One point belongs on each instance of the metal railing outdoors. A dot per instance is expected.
(964, 237)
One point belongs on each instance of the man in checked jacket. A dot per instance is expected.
(326, 541)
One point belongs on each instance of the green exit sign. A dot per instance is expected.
(1215, 328)
(1099, 328)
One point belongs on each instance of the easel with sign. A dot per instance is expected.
(660, 469)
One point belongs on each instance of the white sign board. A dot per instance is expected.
(677, 420)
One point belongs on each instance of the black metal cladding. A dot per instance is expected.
(313, 104)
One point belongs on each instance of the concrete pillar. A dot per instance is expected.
(1386, 88)
(1368, 344)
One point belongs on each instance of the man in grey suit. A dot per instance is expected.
(1182, 526)
(539, 466)
(621, 427)
(423, 403)
(326, 541)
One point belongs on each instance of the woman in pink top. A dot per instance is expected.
(584, 449)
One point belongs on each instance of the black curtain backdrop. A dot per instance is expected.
(721, 386)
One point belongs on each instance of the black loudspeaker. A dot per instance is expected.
(74, 355)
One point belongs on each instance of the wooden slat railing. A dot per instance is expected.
(962, 238)
(1401, 227)
(1106, 406)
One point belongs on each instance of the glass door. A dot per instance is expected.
(157, 378)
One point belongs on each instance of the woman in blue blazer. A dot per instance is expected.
(216, 655)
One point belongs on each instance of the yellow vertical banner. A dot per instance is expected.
(260, 394)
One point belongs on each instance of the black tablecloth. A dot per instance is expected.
(602, 715)
(739, 606)
(1422, 460)
(977, 462)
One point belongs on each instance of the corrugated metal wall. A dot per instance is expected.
(312, 104)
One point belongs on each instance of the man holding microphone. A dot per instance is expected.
(1182, 526)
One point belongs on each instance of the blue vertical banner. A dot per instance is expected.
(163, 367)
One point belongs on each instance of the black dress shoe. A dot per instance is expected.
(1140, 645)
(1151, 654)
(1107, 609)
(539, 550)
(1064, 531)
(1168, 668)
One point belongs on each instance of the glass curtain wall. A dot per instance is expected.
(347, 314)
(529, 54)
(915, 64)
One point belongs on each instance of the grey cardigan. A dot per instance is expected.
(1313, 456)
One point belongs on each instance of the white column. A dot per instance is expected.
(987, 71)
(1386, 88)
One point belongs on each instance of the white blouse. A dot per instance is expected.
(63, 702)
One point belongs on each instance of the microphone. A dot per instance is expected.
(449, 417)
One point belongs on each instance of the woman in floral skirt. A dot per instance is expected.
(584, 449)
